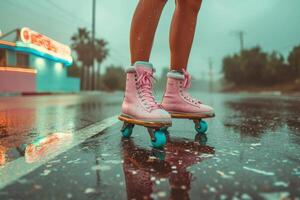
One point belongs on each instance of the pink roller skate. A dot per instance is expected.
(180, 104)
(139, 106)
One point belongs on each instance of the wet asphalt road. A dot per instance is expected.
(51, 148)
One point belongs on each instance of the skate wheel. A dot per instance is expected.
(164, 128)
(201, 138)
(160, 139)
(127, 130)
(201, 127)
(167, 134)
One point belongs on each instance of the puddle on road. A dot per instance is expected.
(255, 156)
(39, 149)
(162, 174)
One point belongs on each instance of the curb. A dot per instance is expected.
(15, 94)
(34, 94)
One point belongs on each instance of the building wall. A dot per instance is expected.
(15, 81)
(12, 81)
(11, 58)
(3, 58)
(52, 76)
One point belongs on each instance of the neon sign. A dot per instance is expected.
(42, 43)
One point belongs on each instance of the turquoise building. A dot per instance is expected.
(35, 63)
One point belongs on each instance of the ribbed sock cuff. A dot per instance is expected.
(144, 64)
(175, 74)
(140, 64)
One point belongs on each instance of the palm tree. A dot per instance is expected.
(101, 53)
(87, 52)
(80, 43)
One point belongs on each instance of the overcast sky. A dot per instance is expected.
(272, 24)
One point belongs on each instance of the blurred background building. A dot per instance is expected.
(33, 62)
(257, 51)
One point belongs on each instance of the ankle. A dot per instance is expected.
(175, 74)
(143, 64)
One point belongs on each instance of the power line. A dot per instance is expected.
(210, 74)
(93, 20)
(64, 11)
(69, 16)
(29, 10)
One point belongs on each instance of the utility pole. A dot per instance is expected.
(93, 42)
(240, 34)
(93, 20)
(210, 74)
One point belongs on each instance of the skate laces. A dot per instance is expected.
(145, 81)
(187, 84)
(187, 79)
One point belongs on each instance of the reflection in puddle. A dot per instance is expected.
(145, 169)
(46, 146)
(41, 148)
(256, 116)
(2, 155)
(24, 119)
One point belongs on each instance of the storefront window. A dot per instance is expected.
(22, 60)
(2, 58)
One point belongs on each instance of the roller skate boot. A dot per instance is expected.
(179, 103)
(139, 106)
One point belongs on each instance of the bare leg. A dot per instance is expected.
(176, 99)
(143, 28)
(182, 32)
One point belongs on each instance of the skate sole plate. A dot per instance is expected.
(192, 116)
(144, 123)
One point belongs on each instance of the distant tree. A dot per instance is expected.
(74, 70)
(245, 68)
(81, 45)
(232, 69)
(87, 53)
(101, 54)
(294, 61)
(276, 70)
(252, 65)
(255, 67)
(114, 78)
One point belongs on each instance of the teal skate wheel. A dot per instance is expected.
(127, 130)
(160, 139)
(164, 128)
(201, 127)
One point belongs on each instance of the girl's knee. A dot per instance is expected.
(192, 5)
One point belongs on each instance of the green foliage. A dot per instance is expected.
(88, 52)
(294, 60)
(114, 78)
(276, 70)
(255, 67)
(82, 44)
(74, 70)
(232, 70)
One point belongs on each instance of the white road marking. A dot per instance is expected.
(259, 171)
(12, 171)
